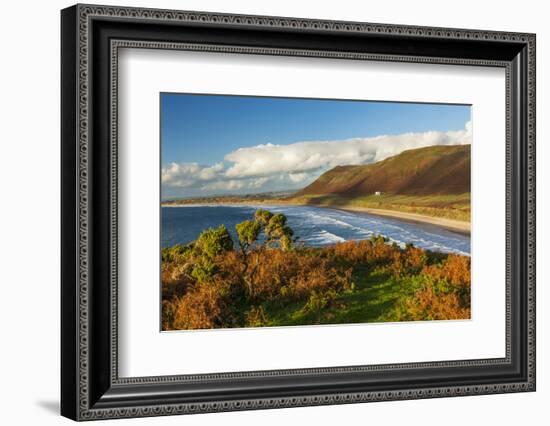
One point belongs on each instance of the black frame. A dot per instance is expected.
(91, 37)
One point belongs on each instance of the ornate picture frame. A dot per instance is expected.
(91, 37)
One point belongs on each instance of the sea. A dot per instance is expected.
(313, 226)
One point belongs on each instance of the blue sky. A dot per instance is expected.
(215, 144)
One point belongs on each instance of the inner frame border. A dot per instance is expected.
(117, 44)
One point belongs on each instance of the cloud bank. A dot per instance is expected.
(274, 167)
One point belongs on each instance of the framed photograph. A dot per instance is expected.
(263, 212)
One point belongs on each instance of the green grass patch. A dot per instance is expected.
(371, 300)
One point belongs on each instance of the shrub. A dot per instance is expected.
(429, 304)
(318, 303)
(208, 284)
(256, 317)
(175, 253)
(168, 310)
(408, 262)
(367, 253)
(204, 269)
(444, 293)
(206, 306)
(213, 242)
(455, 269)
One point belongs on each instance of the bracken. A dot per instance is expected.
(243, 287)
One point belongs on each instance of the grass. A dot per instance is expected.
(453, 206)
(373, 297)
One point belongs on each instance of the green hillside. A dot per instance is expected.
(431, 181)
(434, 170)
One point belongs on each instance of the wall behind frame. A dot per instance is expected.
(30, 225)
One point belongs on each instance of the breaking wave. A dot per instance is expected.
(314, 226)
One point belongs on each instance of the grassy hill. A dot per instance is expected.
(432, 181)
(434, 170)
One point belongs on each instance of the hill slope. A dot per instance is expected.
(433, 170)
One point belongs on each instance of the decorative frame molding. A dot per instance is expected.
(91, 37)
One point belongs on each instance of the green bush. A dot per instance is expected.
(213, 242)
(248, 232)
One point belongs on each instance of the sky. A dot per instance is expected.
(219, 144)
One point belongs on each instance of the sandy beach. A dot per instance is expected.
(449, 224)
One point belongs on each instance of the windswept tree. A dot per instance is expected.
(247, 232)
(277, 231)
(263, 217)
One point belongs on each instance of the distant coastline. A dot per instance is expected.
(426, 185)
(458, 226)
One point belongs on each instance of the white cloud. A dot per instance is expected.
(224, 185)
(232, 184)
(298, 177)
(300, 157)
(272, 167)
(189, 175)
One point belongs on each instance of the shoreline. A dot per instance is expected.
(452, 225)
(457, 226)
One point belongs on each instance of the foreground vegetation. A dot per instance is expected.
(265, 279)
